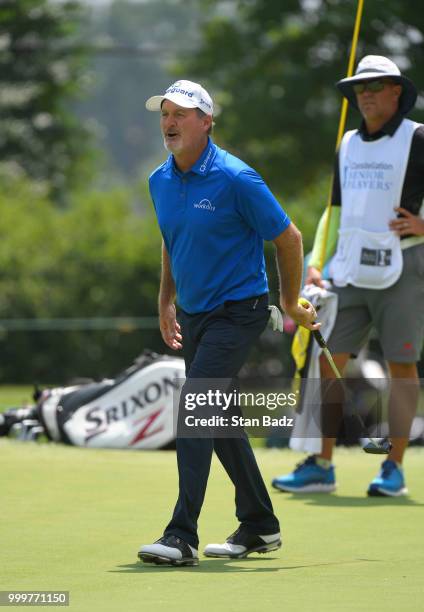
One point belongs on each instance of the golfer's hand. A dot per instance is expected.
(170, 328)
(407, 224)
(303, 313)
(313, 277)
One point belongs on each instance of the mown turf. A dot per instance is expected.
(73, 519)
(15, 396)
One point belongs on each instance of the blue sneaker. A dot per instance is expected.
(389, 483)
(308, 477)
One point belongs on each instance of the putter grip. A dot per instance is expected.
(318, 337)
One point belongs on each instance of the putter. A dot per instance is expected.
(374, 446)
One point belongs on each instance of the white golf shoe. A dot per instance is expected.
(242, 543)
(169, 550)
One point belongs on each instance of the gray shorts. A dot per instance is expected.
(396, 313)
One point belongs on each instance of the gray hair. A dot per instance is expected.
(202, 114)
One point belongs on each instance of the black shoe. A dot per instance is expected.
(169, 550)
(241, 543)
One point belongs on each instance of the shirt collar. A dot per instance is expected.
(388, 128)
(201, 166)
(169, 164)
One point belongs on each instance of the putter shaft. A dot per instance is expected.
(374, 446)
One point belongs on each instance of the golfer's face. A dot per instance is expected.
(182, 128)
(375, 105)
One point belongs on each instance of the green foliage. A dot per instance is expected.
(305, 210)
(272, 68)
(40, 72)
(306, 207)
(133, 44)
(99, 257)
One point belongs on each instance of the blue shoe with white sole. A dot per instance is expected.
(308, 477)
(389, 483)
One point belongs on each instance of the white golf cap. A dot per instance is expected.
(373, 67)
(186, 94)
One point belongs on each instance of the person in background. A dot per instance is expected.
(378, 267)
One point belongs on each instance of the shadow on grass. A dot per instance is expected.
(218, 566)
(322, 499)
(205, 565)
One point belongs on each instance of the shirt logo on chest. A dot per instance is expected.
(205, 205)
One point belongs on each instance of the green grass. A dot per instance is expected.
(15, 395)
(73, 519)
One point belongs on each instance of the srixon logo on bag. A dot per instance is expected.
(137, 407)
(134, 411)
(376, 257)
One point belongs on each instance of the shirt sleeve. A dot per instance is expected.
(151, 190)
(258, 206)
(413, 185)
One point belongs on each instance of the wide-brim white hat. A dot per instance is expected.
(372, 67)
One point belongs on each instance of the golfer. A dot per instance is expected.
(378, 267)
(214, 213)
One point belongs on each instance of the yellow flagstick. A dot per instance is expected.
(342, 123)
(301, 338)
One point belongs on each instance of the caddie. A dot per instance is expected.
(376, 234)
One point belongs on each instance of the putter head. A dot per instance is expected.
(380, 446)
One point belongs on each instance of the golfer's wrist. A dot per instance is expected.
(165, 305)
(288, 306)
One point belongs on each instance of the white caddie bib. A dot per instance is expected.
(371, 181)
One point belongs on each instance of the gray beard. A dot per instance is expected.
(168, 148)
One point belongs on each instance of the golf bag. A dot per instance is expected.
(135, 410)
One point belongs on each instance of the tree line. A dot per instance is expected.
(69, 248)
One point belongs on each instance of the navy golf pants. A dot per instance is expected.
(216, 345)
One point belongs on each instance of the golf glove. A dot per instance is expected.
(276, 319)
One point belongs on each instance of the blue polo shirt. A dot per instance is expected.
(214, 219)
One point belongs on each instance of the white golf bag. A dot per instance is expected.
(133, 411)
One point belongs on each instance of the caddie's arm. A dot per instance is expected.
(407, 224)
(169, 326)
(325, 241)
(314, 272)
(289, 259)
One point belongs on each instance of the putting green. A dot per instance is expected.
(73, 519)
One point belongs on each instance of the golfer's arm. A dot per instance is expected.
(289, 259)
(167, 291)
